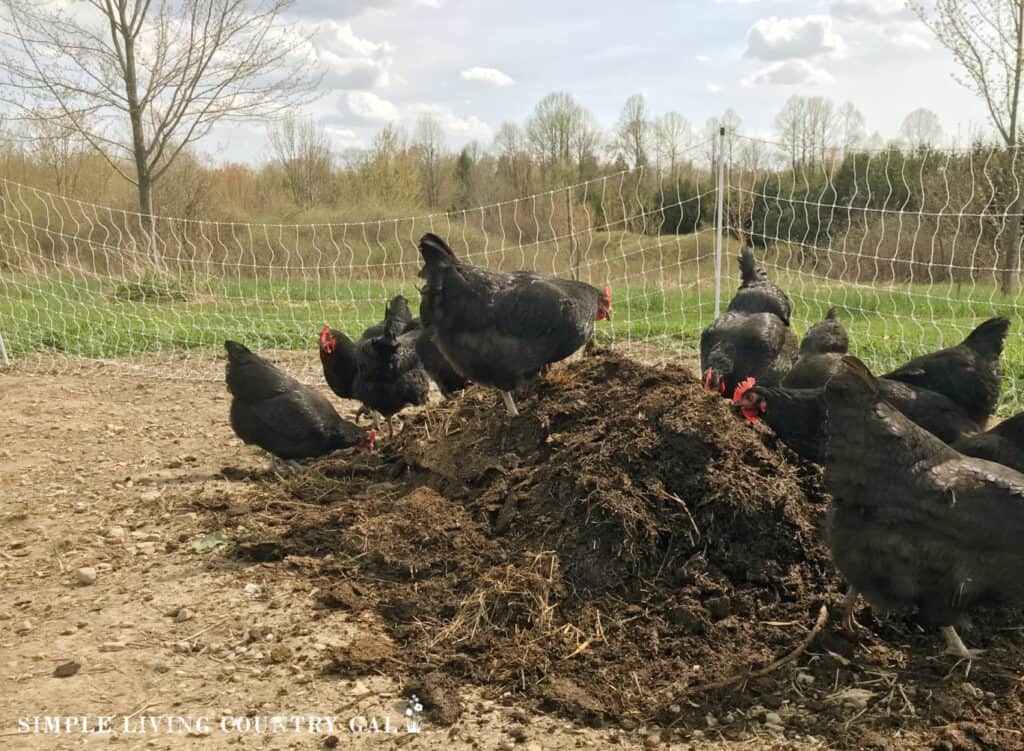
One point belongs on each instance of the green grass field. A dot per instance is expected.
(98, 318)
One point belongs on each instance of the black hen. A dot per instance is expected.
(339, 361)
(1004, 444)
(913, 522)
(752, 337)
(795, 415)
(272, 410)
(383, 372)
(441, 372)
(820, 351)
(501, 329)
(398, 309)
(967, 374)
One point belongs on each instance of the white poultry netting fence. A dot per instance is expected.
(83, 283)
(912, 249)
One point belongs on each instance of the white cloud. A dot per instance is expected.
(350, 61)
(459, 128)
(702, 59)
(338, 9)
(789, 73)
(872, 11)
(775, 38)
(492, 76)
(342, 138)
(909, 40)
(366, 105)
(714, 88)
(427, 3)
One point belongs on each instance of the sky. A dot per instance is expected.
(475, 63)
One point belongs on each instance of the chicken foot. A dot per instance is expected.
(849, 604)
(955, 645)
(510, 406)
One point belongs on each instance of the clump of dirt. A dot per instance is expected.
(619, 552)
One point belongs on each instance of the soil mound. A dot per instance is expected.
(622, 551)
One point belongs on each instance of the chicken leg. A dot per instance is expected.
(847, 607)
(510, 406)
(956, 647)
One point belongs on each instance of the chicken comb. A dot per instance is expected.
(743, 387)
(324, 333)
(608, 294)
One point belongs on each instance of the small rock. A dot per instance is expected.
(113, 646)
(719, 607)
(331, 741)
(184, 615)
(23, 628)
(116, 533)
(652, 741)
(67, 669)
(280, 653)
(534, 747)
(86, 575)
(252, 589)
(710, 720)
(854, 698)
(804, 679)
(772, 718)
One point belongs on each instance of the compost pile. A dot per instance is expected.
(620, 551)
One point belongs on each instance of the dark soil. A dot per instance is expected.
(614, 554)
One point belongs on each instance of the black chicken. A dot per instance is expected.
(820, 351)
(339, 363)
(752, 337)
(967, 374)
(795, 415)
(914, 523)
(383, 372)
(1004, 444)
(501, 329)
(289, 420)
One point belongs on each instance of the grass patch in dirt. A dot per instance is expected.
(613, 555)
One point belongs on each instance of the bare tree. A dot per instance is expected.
(921, 129)
(429, 146)
(986, 37)
(303, 152)
(732, 123)
(59, 145)
(553, 130)
(514, 163)
(851, 128)
(584, 143)
(672, 134)
(632, 133)
(806, 126)
(143, 79)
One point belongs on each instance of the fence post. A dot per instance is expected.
(574, 258)
(718, 221)
(3, 352)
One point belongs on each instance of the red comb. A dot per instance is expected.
(608, 293)
(743, 387)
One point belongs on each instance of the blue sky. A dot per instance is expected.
(473, 64)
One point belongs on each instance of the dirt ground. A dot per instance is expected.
(218, 593)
